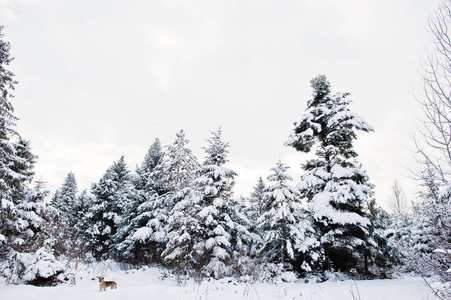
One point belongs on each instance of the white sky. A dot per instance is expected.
(100, 79)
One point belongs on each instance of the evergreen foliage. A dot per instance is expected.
(65, 201)
(113, 207)
(256, 203)
(20, 211)
(166, 174)
(30, 257)
(423, 234)
(180, 164)
(208, 226)
(289, 238)
(65, 198)
(9, 178)
(8, 158)
(81, 238)
(149, 175)
(183, 214)
(337, 189)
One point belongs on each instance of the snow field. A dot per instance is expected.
(149, 284)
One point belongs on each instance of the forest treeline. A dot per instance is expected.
(181, 213)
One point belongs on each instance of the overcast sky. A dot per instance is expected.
(100, 79)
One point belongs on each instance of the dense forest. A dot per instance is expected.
(181, 213)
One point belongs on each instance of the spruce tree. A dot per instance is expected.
(31, 214)
(423, 235)
(65, 201)
(31, 257)
(8, 177)
(84, 203)
(23, 166)
(208, 226)
(166, 176)
(337, 189)
(137, 247)
(113, 207)
(23, 213)
(256, 203)
(288, 235)
(150, 177)
(215, 184)
(185, 229)
(179, 164)
(16, 161)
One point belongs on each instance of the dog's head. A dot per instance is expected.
(101, 279)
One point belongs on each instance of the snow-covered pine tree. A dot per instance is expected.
(288, 235)
(180, 164)
(149, 184)
(207, 224)
(150, 177)
(336, 187)
(7, 119)
(8, 177)
(41, 264)
(22, 209)
(165, 177)
(65, 197)
(113, 207)
(24, 165)
(65, 201)
(423, 235)
(31, 258)
(179, 169)
(29, 232)
(84, 203)
(256, 203)
(185, 230)
(31, 214)
(16, 161)
(21, 195)
(386, 255)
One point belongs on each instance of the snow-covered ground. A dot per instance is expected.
(149, 283)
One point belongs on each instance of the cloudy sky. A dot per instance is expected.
(100, 79)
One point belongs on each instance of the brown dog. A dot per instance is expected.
(104, 284)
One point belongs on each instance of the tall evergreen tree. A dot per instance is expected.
(207, 224)
(288, 235)
(8, 157)
(336, 187)
(65, 202)
(16, 160)
(24, 164)
(150, 177)
(65, 198)
(31, 256)
(113, 207)
(256, 203)
(180, 164)
(185, 229)
(23, 214)
(31, 211)
(84, 203)
(170, 174)
(149, 185)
